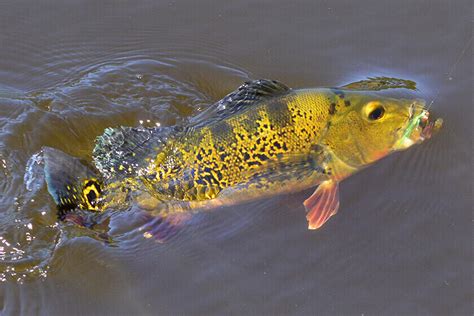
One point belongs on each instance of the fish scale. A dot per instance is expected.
(238, 148)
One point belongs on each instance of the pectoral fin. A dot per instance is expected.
(322, 204)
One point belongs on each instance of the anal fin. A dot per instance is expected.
(164, 227)
(322, 204)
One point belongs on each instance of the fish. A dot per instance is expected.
(261, 140)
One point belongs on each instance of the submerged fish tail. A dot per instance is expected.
(71, 183)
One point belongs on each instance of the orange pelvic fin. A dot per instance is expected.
(322, 204)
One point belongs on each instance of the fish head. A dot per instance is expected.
(375, 125)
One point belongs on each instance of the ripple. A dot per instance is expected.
(130, 90)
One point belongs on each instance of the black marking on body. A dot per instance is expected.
(338, 92)
(332, 108)
(223, 156)
(261, 157)
(254, 163)
(278, 113)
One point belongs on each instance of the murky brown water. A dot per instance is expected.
(402, 241)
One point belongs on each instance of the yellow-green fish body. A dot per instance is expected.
(263, 139)
(261, 147)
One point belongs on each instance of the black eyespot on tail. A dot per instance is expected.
(91, 197)
(91, 193)
(71, 182)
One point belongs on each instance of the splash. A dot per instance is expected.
(154, 92)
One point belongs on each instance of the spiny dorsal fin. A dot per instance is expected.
(252, 92)
(249, 93)
(380, 83)
(125, 151)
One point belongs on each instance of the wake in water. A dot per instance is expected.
(125, 91)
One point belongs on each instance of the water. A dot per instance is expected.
(401, 243)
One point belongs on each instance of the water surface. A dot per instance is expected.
(401, 243)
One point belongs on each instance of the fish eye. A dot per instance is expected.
(376, 113)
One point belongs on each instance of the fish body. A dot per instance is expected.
(262, 147)
(261, 140)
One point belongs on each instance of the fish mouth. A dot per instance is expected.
(420, 126)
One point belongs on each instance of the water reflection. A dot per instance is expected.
(401, 243)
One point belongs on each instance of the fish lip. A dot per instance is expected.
(425, 126)
(421, 125)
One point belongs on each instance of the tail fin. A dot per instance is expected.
(70, 182)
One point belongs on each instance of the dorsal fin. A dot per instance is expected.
(380, 83)
(252, 92)
(125, 151)
(249, 93)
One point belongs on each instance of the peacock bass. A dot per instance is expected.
(263, 139)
